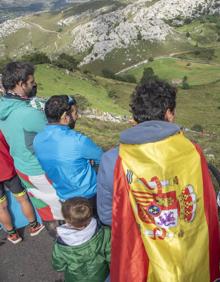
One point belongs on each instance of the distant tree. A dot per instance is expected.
(148, 74)
(86, 71)
(187, 21)
(36, 58)
(200, 7)
(196, 52)
(205, 53)
(126, 78)
(130, 78)
(210, 53)
(66, 61)
(139, 36)
(108, 73)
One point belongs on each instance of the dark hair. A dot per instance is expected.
(151, 100)
(77, 211)
(15, 72)
(57, 105)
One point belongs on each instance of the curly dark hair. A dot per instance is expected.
(15, 72)
(151, 100)
(56, 105)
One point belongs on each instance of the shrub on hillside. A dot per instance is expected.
(205, 53)
(86, 71)
(197, 127)
(126, 78)
(185, 84)
(66, 61)
(130, 78)
(36, 58)
(112, 94)
(108, 73)
(148, 74)
(187, 21)
(82, 102)
(139, 36)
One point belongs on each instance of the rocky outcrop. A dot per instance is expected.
(88, 14)
(143, 20)
(11, 26)
(103, 116)
(96, 32)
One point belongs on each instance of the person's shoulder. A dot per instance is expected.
(78, 136)
(30, 109)
(111, 154)
(106, 233)
(71, 133)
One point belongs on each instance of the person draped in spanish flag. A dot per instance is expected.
(156, 193)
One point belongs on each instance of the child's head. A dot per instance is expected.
(77, 212)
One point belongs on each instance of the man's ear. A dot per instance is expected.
(63, 117)
(132, 122)
(169, 115)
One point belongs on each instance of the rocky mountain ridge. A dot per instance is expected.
(25, 3)
(144, 20)
(10, 9)
(97, 32)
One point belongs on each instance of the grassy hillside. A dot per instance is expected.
(122, 58)
(200, 105)
(176, 69)
(54, 81)
(44, 34)
(106, 134)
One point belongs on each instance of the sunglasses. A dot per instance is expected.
(71, 101)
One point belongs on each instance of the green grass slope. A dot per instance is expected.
(175, 69)
(54, 81)
(199, 105)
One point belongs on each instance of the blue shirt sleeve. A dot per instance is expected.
(90, 150)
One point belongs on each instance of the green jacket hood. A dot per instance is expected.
(87, 262)
(7, 106)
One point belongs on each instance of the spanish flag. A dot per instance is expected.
(164, 221)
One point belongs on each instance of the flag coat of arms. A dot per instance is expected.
(164, 219)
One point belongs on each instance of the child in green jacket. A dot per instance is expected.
(82, 249)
